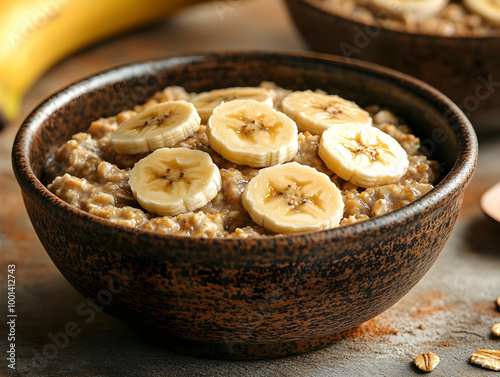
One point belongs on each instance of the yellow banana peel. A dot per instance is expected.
(35, 34)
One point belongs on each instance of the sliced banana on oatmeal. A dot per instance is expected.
(316, 112)
(293, 198)
(206, 102)
(161, 125)
(488, 9)
(171, 181)
(364, 156)
(409, 9)
(252, 133)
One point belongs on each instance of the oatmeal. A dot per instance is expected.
(88, 172)
(453, 19)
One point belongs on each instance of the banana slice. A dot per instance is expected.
(488, 9)
(293, 198)
(161, 125)
(410, 9)
(171, 181)
(252, 133)
(205, 103)
(315, 112)
(364, 156)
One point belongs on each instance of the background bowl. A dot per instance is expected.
(246, 298)
(465, 69)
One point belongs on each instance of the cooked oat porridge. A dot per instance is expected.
(453, 18)
(242, 162)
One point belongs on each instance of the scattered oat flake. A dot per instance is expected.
(426, 361)
(496, 329)
(498, 302)
(489, 359)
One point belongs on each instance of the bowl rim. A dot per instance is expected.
(399, 32)
(460, 173)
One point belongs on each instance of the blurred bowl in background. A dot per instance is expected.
(466, 69)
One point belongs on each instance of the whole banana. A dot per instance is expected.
(36, 34)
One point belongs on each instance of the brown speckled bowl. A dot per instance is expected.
(246, 298)
(465, 69)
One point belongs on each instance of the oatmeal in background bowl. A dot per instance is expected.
(242, 162)
(455, 18)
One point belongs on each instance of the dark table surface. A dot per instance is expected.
(449, 312)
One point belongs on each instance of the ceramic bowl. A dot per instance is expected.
(467, 70)
(246, 298)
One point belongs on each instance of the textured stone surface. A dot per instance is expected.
(450, 312)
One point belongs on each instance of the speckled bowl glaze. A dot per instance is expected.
(467, 70)
(246, 298)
